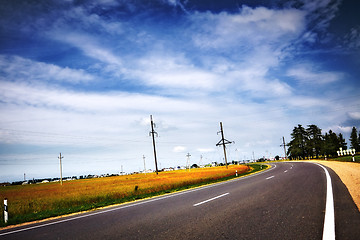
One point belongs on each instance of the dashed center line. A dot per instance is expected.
(197, 204)
(269, 177)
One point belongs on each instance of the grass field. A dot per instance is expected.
(39, 201)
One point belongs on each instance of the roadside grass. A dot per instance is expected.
(345, 159)
(40, 201)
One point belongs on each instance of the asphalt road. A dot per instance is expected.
(286, 202)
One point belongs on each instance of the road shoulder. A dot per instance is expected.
(349, 174)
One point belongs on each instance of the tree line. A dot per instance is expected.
(310, 142)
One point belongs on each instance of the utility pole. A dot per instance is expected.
(152, 133)
(60, 157)
(144, 164)
(284, 145)
(236, 155)
(223, 142)
(24, 177)
(188, 161)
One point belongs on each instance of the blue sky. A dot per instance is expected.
(83, 77)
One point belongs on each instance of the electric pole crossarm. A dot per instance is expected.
(222, 142)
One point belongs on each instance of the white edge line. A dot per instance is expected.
(329, 221)
(269, 177)
(222, 195)
(133, 204)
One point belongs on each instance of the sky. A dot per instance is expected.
(83, 77)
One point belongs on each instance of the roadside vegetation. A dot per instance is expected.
(38, 201)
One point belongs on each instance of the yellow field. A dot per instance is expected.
(50, 199)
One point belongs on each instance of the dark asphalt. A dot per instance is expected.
(285, 202)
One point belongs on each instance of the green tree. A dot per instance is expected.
(354, 140)
(297, 145)
(314, 140)
(342, 142)
(331, 144)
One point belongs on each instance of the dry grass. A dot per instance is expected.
(349, 174)
(53, 199)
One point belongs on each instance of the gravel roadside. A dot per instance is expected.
(349, 174)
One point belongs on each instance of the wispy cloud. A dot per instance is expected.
(53, 97)
(248, 28)
(90, 46)
(17, 68)
(305, 74)
(320, 13)
(352, 38)
(173, 72)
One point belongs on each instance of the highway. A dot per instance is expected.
(285, 202)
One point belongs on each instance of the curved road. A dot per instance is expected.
(285, 202)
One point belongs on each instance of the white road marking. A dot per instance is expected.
(222, 195)
(269, 177)
(329, 221)
(134, 204)
(285, 171)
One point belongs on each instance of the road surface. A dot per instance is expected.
(285, 202)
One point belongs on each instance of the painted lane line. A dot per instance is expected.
(329, 221)
(128, 205)
(285, 171)
(270, 177)
(222, 195)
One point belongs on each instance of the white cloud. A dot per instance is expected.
(90, 46)
(299, 101)
(248, 28)
(176, 3)
(179, 149)
(50, 97)
(354, 115)
(17, 68)
(174, 72)
(87, 20)
(320, 12)
(342, 129)
(352, 39)
(256, 81)
(309, 75)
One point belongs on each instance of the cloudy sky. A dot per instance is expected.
(83, 77)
